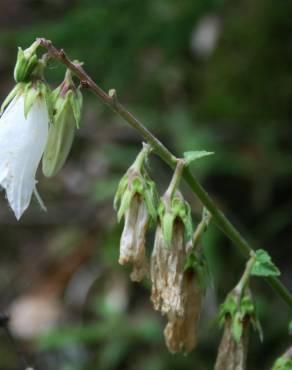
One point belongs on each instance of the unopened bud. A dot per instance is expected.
(26, 62)
(66, 103)
(135, 200)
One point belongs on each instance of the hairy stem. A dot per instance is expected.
(112, 101)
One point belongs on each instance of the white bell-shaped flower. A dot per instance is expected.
(22, 143)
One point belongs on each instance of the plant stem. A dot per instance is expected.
(112, 101)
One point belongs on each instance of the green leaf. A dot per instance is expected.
(194, 155)
(290, 328)
(263, 265)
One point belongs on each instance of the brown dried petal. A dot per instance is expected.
(232, 355)
(167, 267)
(132, 245)
(181, 332)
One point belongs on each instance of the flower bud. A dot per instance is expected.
(26, 62)
(135, 201)
(67, 103)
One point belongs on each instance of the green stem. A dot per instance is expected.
(219, 218)
(175, 181)
(246, 275)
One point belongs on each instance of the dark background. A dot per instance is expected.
(60, 268)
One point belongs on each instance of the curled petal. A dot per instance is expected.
(22, 142)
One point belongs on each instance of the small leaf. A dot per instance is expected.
(263, 265)
(194, 155)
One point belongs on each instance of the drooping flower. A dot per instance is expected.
(135, 200)
(176, 287)
(236, 314)
(66, 101)
(23, 135)
(22, 142)
(232, 354)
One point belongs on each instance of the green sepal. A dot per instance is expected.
(136, 181)
(125, 203)
(150, 198)
(228, 307)
(237, 326)
(173, 209)
(263, 265)
(17, 88)
(198, 264)
(30, 95)
(194, 155)
(167, 227)
(122, 186)
(45, 91)
(26, 62)
(239, 309)
(76, 100)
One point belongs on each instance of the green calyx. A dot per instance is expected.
(136, 181)
(174, 209)
(239, 307)
(26, 62)
(66, 102)
(31, 91)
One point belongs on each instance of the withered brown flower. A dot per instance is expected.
(232, 354)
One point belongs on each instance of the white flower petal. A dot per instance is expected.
(22, 143)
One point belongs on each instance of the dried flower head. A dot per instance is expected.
(176, 281)
(135, 200)
(236, 313)
(232, 354)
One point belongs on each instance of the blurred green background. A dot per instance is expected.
(210, 75)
